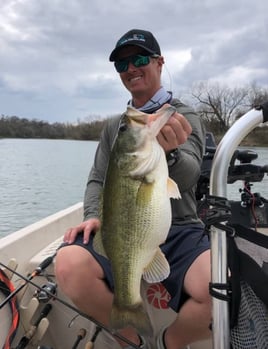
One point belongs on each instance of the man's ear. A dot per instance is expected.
(161, 60)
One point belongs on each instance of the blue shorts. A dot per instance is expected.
(182, 246)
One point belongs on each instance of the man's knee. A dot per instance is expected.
(70, 262)
(197, 278)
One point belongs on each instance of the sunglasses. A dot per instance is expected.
(137, 60)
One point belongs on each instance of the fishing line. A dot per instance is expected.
(169, 77)
(68, 305)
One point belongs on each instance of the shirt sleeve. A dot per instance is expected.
(186, 170)
(93, 193)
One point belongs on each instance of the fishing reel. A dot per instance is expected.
(248, 198)
(252, 209)
(245, 170)
(46, 292)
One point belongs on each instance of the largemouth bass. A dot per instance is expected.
(136, 214)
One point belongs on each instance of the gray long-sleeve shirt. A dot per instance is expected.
(185, 171)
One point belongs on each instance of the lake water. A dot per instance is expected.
(41, 177)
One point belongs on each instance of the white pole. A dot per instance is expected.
(218, 187)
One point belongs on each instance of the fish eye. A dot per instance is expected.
(123, 127)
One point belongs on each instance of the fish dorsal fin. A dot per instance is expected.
(173, 190)
(98, 245)
(158, 269)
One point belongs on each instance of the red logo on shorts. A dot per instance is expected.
(158, 296)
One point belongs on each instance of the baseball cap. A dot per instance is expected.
(137, 37)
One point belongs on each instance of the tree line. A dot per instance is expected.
(15, 127)
(219, 106)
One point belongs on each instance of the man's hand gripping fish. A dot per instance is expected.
(136, 214)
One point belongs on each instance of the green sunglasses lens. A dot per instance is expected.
(137, 61)
(121, 66)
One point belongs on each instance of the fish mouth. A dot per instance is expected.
(139, 119)
(159, 119)
(154, 121)
(137, 116)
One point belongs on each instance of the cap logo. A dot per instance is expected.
(136, 37)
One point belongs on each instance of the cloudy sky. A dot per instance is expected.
(54, 53)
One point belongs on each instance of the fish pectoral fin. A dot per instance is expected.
(98, 245)
(173, 190)
(158, 269)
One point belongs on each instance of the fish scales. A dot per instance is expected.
(136, 215)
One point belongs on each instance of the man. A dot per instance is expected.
(84, 276)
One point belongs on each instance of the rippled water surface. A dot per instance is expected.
(41, 177)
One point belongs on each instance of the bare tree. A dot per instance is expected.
(257, 95)
(220, 102)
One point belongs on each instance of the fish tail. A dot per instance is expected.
(132, 316)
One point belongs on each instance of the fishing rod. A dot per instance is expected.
(68, 305)
(81, 335)
(90, 344)
(37, 271)
(30, 333)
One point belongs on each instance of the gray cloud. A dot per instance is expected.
(54, 54)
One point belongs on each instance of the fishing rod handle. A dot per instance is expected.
(44, 264)
(43, 313)
(81, 335)
(30, 333)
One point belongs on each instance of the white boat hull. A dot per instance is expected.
(27, 248)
